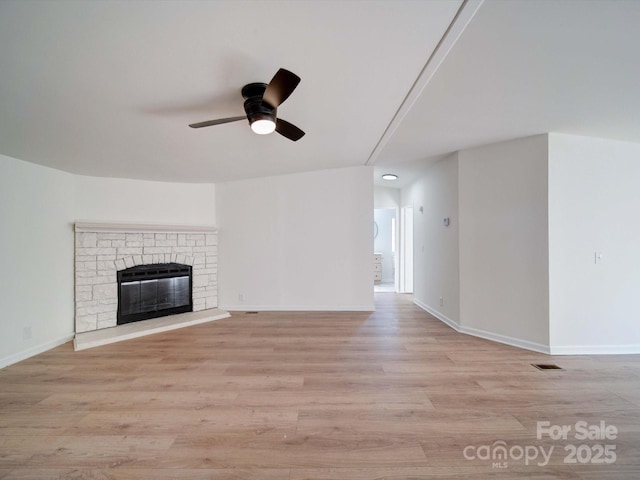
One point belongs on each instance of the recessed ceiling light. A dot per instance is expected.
(389, 176)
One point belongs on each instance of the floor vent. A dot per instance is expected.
(250, 313)
(546, 366)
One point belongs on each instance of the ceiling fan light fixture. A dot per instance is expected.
(263, 126)
(389, 176)
(261, 102)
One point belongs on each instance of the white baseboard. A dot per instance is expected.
(439, 315)
(514, 342)
(298, 308)
(495, 337)
(30, 352)
(527, 345)
(595, 350)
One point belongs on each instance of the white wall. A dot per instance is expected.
(36, 245)
(130, 201)
(301, 241)
(504, 287)
(38, 208)
(516, 263)
(436, 257)
(386, 197)
(594, 199)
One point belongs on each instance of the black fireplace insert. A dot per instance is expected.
(158, 290)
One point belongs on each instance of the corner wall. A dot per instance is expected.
(297, 242)
(36, 291)
(504, 261)
(533, 213)
(594, 200)
(38, 209)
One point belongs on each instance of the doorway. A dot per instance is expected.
(385, 247)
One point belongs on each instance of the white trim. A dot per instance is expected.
(495, 337)
(459, 23)
(128, 331)
(30, 352)
(595, 350)
(514, 342)
(298, 308)
(84, 226)
(527, 345)
(440, 316)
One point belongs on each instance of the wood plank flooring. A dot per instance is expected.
(298, 396)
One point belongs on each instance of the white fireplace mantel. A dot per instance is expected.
(86, 226)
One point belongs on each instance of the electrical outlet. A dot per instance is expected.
(26, 333)
(441, 302)
(241, 297)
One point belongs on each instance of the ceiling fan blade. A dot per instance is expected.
(288, 130)
(220, 121)
(280, 87)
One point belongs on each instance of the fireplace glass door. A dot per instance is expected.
(141, 296)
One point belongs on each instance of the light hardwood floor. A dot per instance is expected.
(290, 396)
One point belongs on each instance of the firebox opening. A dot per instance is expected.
(150, 291)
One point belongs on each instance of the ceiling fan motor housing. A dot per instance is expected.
(254, 106)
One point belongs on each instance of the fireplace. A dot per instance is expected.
(105, 250)
(156, 290)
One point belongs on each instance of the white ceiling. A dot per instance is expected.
(108, 88)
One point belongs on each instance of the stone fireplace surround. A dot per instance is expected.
(102, 249)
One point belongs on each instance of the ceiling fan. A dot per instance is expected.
(261, 104)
